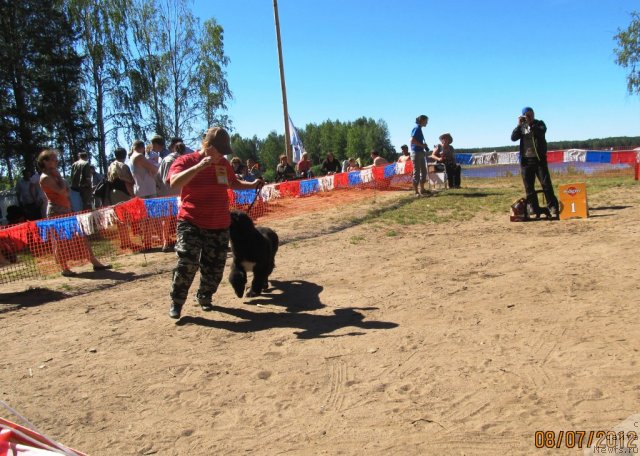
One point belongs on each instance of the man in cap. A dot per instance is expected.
(202, 238)
(533, 161)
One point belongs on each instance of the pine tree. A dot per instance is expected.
(40, 81)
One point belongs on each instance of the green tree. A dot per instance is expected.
(270, 150)
(347, 139)
(213, 89)
(175, 70)
(245, 148)
(355, 142)
(39, 81)
(628, 52)
(148, 77)
(101, 28)
(310, 136)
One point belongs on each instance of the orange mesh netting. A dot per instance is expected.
(37, 249)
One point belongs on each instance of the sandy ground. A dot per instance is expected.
(444, 339)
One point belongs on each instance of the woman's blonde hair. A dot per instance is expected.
(44, 156)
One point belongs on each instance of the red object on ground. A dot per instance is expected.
(16, 439)
(637, 171)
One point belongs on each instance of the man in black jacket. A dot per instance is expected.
(533, 161)
(330, 165)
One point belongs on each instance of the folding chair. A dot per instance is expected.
(437, 178)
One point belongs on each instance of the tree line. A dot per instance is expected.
(78, 74)
(351, 139)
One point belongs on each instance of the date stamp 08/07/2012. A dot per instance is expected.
(625, 442)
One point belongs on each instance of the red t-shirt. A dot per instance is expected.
(204, 200)
(304, 165)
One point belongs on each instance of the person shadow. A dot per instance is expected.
(297, 298)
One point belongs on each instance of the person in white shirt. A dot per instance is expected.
(144, 174)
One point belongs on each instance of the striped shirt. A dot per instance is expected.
(204, 200)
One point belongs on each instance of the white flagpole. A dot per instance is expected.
(287, 136)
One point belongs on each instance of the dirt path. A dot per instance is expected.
(443, 339)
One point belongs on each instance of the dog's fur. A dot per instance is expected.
(254, 249)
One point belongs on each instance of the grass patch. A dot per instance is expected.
(356, 239)
(477, 199)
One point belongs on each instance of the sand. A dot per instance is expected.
(464, 338)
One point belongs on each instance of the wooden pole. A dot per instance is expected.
(287, 134)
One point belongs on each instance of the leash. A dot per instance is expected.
(255, 198)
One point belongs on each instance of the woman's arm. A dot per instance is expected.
(244, 185)
(141, 161)
(436, 154)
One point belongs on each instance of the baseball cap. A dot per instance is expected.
(219, 138)
(526, 109)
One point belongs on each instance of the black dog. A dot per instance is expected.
(254, 249)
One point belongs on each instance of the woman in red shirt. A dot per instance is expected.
(202, 235)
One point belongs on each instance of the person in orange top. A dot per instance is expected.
(53, 185)
(57, 192)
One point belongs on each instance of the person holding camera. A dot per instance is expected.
(533, 161)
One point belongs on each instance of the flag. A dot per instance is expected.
(296, 142)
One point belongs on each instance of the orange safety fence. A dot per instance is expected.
(41, 248)
(45, 247)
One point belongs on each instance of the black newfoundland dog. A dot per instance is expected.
(254, 249)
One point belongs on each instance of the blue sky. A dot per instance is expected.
(470, 65)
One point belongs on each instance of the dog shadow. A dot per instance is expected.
(32, 297)
(298, 298)
(294, 296)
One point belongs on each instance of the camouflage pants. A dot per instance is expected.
(198, 248)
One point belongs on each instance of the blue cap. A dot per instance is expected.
(526, 109)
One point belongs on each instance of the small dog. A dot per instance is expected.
(254, 249)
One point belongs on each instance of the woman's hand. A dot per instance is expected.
(205, 163)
